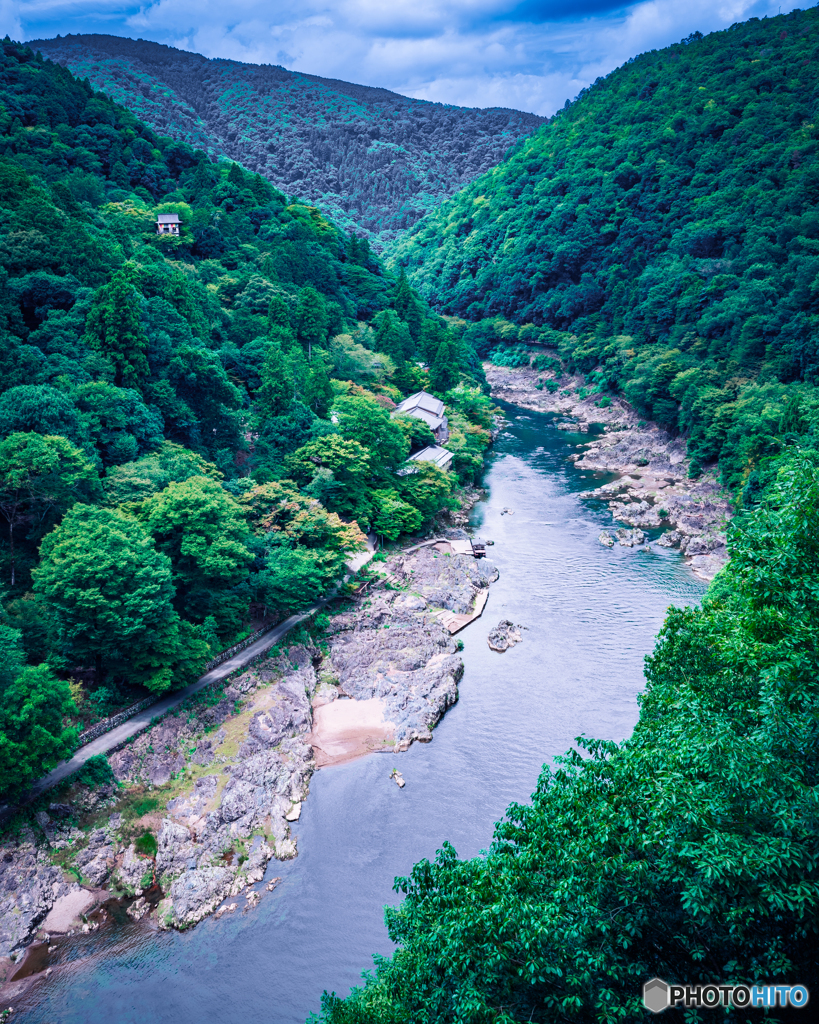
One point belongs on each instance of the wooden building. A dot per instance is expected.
(168, 224)
(426, 407)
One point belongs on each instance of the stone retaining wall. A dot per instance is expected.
(248, 640)
(107, 724)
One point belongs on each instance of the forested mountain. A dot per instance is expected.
(371, 159)
(663, 232)
(194, 428)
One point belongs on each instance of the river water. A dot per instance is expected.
(589, 616)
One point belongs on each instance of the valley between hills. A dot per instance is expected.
(275, 342)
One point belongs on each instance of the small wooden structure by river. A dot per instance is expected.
(455, 623)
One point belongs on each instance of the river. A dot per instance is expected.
(589, 615)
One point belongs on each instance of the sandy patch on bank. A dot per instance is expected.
(66, 910)
(346, 729)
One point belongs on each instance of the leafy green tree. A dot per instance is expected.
(205, 419)
(40, 479)
(346, 468)
(305, 546)
(352, 361)
(11, 653)
(114, 329)
(132, 483)
(293, 577)
(278, 510)
(429, 490)
(201, 529)
(110, 593)
(39, 408)
(416, 431)
(360, 418)
(281, 435)
(118, 422)
(393, 516)
(32, 735)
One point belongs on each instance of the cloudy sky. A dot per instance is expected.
(531, 55)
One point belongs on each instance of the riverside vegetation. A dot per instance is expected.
(194, 430)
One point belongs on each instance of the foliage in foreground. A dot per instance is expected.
(689, 851)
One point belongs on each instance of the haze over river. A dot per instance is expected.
(590, 616)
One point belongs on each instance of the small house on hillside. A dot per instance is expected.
(168, 224)
(426, 407)
(435, 454)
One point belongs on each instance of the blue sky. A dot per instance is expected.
(532, 55)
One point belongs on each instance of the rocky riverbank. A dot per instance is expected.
(653, 490)
(209, 795)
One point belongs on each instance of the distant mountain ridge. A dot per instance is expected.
(370, 158)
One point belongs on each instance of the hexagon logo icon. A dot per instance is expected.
(656, 995)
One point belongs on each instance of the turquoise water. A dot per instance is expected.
(589, 615)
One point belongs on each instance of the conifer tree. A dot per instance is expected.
(406, 306)
(276, 392)
(278, 315)
(113, 328)
(318, 392)
(392, 337)
(444, 370)
(311, 319)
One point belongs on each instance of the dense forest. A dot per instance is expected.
(372, 160)
(195, 430)
(661, 232)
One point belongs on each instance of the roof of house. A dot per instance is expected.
(433, 453)
(168, 218)
(434, 422)
(422, 400)
(423, 406)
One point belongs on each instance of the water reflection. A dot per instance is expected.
(589, 616)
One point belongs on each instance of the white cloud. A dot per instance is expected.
(470, 52)
(10, 23)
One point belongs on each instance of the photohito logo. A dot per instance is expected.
(658, 995)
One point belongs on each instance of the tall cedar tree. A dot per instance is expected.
(113, 328)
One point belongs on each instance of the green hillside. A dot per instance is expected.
(663, 232)
(369, 158)
(194, 429)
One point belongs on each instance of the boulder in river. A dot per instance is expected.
(606, 539)
(504, 635)
(630, 538)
